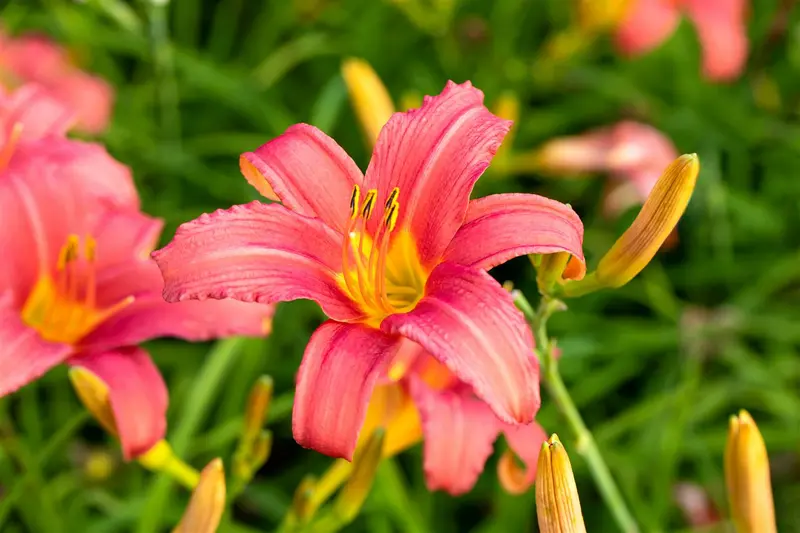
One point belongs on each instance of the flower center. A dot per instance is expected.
(380, 271)
(62, 307)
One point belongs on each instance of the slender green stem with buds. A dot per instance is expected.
(584, 440)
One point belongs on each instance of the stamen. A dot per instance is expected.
(11, 145)
(389, 222)
(90, 249)
(392, 198)
(369, 204)
(355, 198)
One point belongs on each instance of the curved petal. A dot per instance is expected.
(256, 253)
(340, 367)
(123, 237)
(90, 96)
(722, 31)
(459, 430)
(526, 442)
(307, 171)
(469, 323)
(137, 394)
(503, 226)
(40, 114)
(151, 317)
(647, 25)
(434, 155)
(24, 355)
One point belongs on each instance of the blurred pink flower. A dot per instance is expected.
(77, 285)
(633, 154)
(720, 26)
(417, 271)
(34, 58)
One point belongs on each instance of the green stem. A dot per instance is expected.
(584, 440)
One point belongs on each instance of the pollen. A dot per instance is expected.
(380, 266)
(62, 306)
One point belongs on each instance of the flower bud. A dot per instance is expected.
(365, 464)
(747, 477)
(371, 100)
(257, 408)
(659, 215)
(557, 505)
(207, 503)
(93, 393)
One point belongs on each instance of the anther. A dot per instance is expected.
(392, 197)
(369, 203)
(90, 248)
(69, 252)
(391, 216)
(354, 200)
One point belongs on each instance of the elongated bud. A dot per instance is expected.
(557, 505)
(257, 408)
(302, 507)
(599, 15)
(93, 393)
(371, 100)
(161, 458)
(747, 477)
(654, 223)
(365, 464)
(207, 503)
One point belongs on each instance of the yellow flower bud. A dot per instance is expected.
(365, 464)
(747, 477)
(557, 505)
(207, 504)
(371, 100)
(659, 215)
(257, 408)
(93, 393)
(599, 15)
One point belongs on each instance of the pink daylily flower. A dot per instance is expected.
(416, 271)
(633, 154)
(37, 59)
(77, 285)
(720, 24)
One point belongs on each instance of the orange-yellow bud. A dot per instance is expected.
(656, 220)
(93, 393)
(599, 15)
(207, 503)
(365, 464)
(371, 100)
(557, 505)
(747, 477)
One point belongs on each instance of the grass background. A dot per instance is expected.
(656, 367)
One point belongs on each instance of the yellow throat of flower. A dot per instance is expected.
(62, 306)
(381, 272)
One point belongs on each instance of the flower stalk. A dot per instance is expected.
(585, 444)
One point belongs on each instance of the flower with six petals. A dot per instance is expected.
(398, 254)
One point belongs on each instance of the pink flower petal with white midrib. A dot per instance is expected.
(307, 171)
(470, 324)
(459, 433)
(256, 253)
(340, 367)
(434, 155)
(504, 226)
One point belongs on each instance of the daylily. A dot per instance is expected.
(35, 58)
(417, 271)
(458, 428)
(720, 26)
(633, 154)
(77, 285)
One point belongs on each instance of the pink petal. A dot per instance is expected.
(469, 323)
(722, 31)
(647, 25)
(307, 171)
(503, 226)
(123, 237)
(150, 317)
(90, 96)
(459, 431)
(635, 146)
(40, 114)
(526, 442)
(24, 356)
(587, 152)
(137, 394)
(256, 253)
(339, 370)
(435, 155)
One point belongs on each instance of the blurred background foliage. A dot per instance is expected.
(656, 367)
